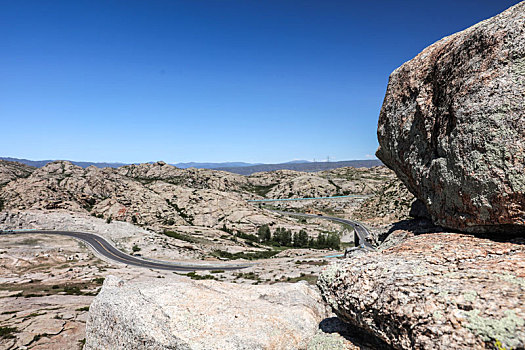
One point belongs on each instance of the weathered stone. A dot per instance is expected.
(452, 126)
(203, 315)
(434, 291)
(13, 170)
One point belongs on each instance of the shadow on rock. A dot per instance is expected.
(355, 335)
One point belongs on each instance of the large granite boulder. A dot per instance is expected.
(185, 314)
(434, 291)
(452, 126)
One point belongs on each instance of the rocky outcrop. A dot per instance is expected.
(145, 194)
(183, 314)
(389, 204)
(12, 170)
(434, 291)
(452, 126)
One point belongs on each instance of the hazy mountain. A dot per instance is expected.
(41, 163)
(233, 167)
(308, 167)
(297, 161)
(213, 165)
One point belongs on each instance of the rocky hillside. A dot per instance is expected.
(336, 182)
(158, 196)
(390, 203)
(207, 209)
(12, 170)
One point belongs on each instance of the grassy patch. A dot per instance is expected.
(83, 308)
(311, 279)
(31, 290)
(181, 236)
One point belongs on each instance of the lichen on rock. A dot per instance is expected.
(452, 126)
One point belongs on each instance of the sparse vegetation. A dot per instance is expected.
(194, 276)
(7, 332)
(226, 229)
(180, 236)
(9, 312)
(265, 254)
(135, 248)
(72, 290)
(98, 280)
(84, 308)
(248, 276)
(182, 213)
(259, 190)
(247, 236)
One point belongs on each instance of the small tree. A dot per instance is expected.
(286, 238)
(264, 233)
(301, 240)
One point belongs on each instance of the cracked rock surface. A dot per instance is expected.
(452, 126)
(434, 291)
(203, 315)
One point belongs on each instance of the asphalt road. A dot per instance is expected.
(101, 246)
(359, 229)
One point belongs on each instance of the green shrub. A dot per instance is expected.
(72, 290)
(194, 276)
(99, 280)
(247, 236)
(7, 332)
(180, 236)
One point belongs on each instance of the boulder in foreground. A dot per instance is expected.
(434, 291)
(452, 126)
(203, 315)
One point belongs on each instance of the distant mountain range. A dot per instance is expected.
(214, 165)
(233, 167)
(41, 163)
(308, 167)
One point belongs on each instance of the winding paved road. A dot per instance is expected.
(360, 230)
(101, 246)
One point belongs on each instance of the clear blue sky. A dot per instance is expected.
(208, 80)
